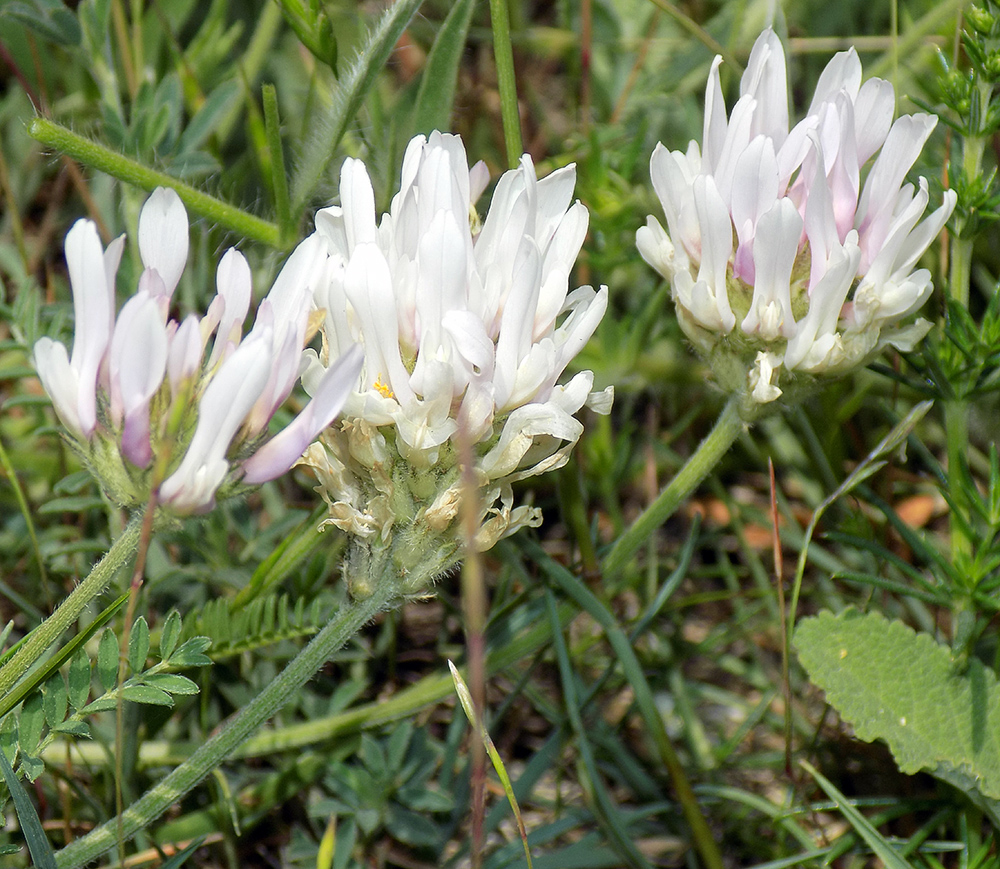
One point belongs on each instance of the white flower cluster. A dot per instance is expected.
(129, 390)
(773, 247)
(467, 328)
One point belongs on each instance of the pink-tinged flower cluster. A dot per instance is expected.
(774, 247)
(155, 402)
(467, 327)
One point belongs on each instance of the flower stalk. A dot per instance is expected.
(118, 166)
(710, 451)
(67, 613)
(351, 618)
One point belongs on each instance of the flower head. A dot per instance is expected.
(145, 407)
(467, 327)
(775, 251)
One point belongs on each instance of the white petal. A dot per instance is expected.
(163, 236)
(716, 247)
(766, 81)
(60, 381)
(358, 201)
(842, 73)
(93, 306)
(775, 249)
(368, 285)
(233, 284)
(227, 400)
(714, 130)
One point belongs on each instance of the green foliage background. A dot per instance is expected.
(375, 749)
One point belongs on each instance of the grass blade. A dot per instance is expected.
(38, 845)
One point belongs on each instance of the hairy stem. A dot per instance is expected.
(715, 445)
(240, 727)
(48, 632)
(119, 166)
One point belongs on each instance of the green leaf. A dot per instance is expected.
(101, 704)
(32, 766)
(138, 645)
(49, 18)
(38, 844)
(55, 700)
(190, 653)
(74, 728)
(212, 112)
(171, 683)
(146, 694)
(31, 721)
(79, 680)
(8, 738)
(170, 634)
(893, 684)
(437, 85)
(107, 660)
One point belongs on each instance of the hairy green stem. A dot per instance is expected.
(506, 81)
(98, 157)
(48, 632)
(715, 445)
(164, 794)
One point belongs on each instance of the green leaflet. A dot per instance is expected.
(902, 687)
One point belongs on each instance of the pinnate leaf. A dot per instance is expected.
(171, 683)
(893, 684)
(138, 645)
(146, 694)
(170, 634)
(107, 660)
(79, 680)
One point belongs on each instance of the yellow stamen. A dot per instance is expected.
(382, 389)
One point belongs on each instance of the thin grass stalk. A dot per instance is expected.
(506, 81)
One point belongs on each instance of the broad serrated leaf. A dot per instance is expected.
(138, 645)
(170, 634)
(55, 700)
(171, 683)
(146, 694)
(896, 685)
(107, 660)
(79, 680)
(30, 723)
